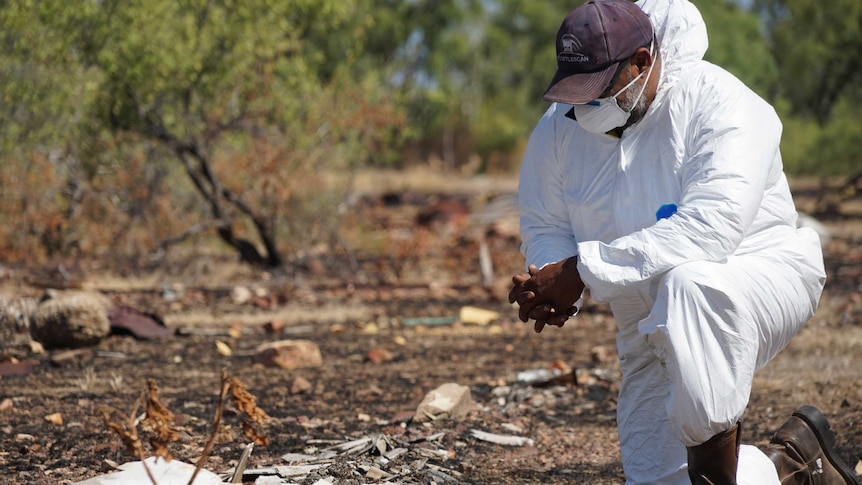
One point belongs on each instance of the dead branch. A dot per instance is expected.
(225, 387)
(126, 429)
(192, 231)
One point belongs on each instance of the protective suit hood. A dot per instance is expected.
(681, 34)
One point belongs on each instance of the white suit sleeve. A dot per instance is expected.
(546, 231)
(731, 148)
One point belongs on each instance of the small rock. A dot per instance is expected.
(299, 386)
(274, 327)
(599, 354)
(289, 354)
(447, 401)
(379, 355)
(6, 405)
(56, 419)
(240, 295)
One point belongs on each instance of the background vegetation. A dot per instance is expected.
(129, 126)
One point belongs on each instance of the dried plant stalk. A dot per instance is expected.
(127, 431)
(246, 403)
(159, 419)
(158, 423)
(225, 387)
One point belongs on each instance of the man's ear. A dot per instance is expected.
(642, 59)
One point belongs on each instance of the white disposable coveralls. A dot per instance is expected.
(704, 298)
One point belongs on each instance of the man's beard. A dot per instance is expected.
(626, 101)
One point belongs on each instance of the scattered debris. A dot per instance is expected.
(501, 439)
(547, 377)
(15, 368)
(430, 321)
(447, 401)
(242, 464)
(469, 315)
(63, 357)
(477, 316)
(141, 325)
(379, 457)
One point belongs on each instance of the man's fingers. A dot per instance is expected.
(533, 270)
(521, 278)
(527, 302)
(558, 320)
(540, 314)
(518, 282)
(538, 326)
(525, 297)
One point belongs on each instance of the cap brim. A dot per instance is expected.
(579, 88)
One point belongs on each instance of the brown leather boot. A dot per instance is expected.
(802, 451)
(714, 462)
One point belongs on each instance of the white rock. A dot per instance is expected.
(447, 401)
(240, 295)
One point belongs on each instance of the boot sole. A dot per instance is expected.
(820, 426)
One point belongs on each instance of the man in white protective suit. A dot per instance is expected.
(655, 181)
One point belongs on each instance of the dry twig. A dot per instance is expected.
(126, 429)
(158, 422)
(159, 418)
(225, 387)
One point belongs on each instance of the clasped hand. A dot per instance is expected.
(547, 295)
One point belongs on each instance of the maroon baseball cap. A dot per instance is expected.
(591, 42)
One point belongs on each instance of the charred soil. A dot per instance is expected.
(405, 306)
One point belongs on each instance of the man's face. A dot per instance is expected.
(631, 99)
(631, 102)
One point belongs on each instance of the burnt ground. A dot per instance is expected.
(422, 272)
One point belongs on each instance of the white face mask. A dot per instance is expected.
(604, 114)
